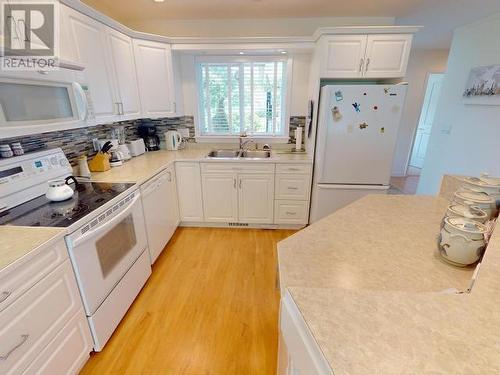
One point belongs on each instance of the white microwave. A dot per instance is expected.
(37, 102)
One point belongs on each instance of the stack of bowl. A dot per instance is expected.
(462, 241)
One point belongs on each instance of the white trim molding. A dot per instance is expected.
(235, 43)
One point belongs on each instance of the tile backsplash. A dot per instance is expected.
(76, 142)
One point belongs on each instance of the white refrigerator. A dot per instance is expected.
(355, 142)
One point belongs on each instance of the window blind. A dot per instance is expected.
(242, 97)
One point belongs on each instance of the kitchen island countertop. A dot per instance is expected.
(376, 297)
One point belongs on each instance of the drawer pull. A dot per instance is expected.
(292, 188)
(291, 213)
(4, 296)
(24, 338)
(294, 169)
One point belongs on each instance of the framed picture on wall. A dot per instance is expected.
(483, 86)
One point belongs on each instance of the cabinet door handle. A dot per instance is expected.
(291, 213)
(24, 338)
(292, 188)
(240, 183)
(234, 182)
(117, 108)
(169, 176)
(361, 62)
(122, 112)
(175, 107)
(367, 63)
(4, 296)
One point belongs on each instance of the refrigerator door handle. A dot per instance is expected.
(359, 187)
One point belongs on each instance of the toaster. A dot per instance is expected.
(136, 147)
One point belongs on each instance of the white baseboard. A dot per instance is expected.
(241, 225)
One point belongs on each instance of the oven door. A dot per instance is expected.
(104, 249)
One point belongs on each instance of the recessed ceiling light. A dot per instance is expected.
(283, 52)
(158, 1)
(242, 53)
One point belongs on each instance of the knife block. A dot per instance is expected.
(100, 163)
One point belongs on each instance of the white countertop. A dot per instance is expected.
(370, 286)
(142, 168)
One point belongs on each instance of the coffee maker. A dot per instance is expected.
(147, 131)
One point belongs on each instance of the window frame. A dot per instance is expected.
(286, 103)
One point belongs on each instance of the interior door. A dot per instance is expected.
(356, 146)
(256, 198)
(344, 56)
(220, 197)
(156, 86)
(387, 55)
(87, 36)
(426, 121)
(122, 57)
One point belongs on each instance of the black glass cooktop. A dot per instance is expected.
(40, 212)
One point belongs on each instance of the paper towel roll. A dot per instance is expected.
(298, 138)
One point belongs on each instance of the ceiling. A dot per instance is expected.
(439, 17)
(128, 10)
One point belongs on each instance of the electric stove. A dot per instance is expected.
(40, 212)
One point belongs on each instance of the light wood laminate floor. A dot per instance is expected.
(210, 307)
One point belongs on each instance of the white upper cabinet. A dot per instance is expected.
(365, 56)
(121, 52)
(86, 44)
(344, 56)
(155, 73)
(387, 55)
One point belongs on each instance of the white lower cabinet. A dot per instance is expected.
(161, 210)
(291, 212)
(298, 351)
(238, 192)
(189, 191)
(36, 319)
(292, 194)
(67, 353)
(255, 198)
(220, 197)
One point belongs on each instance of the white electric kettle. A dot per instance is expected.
(173, 140)
(59, 190)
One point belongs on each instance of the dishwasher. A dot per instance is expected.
(161, 211)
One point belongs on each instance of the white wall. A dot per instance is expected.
(251, 27)
(465, 138)
(421, 63)
(185, 63)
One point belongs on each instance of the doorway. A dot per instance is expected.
(425, 123)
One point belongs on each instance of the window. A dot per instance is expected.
(242, 96)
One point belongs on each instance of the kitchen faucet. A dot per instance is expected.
(244, 144)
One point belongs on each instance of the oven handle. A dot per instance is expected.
(104, 227)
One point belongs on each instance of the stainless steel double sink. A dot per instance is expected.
(237, 154)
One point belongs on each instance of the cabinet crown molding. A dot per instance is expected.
(224, 43)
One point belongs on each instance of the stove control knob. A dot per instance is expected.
(63, 162)
(53, 160)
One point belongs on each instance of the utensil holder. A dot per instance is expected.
(100, 163)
